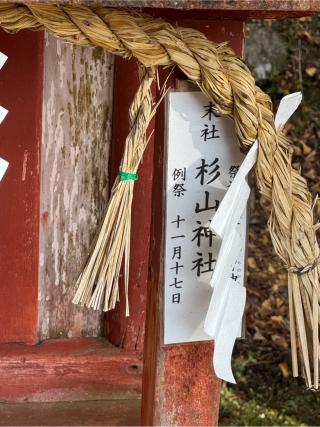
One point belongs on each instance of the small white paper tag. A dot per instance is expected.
(229, 330)
(287, 107)
(3, 59)
(3, 113)
(3, 167)
(223, 276)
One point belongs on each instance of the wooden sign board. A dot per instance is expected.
(203, 157)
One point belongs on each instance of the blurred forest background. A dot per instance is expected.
(284, 56)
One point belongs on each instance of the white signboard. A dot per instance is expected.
(203, 157)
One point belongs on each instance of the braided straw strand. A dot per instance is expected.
(226, 80)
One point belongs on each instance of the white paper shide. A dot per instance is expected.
(3, 167)
(3, 112)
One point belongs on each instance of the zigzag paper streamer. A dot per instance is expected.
(3, 112)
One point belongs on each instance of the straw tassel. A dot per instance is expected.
(98, 284)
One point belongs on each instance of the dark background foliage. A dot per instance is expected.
(284, 56)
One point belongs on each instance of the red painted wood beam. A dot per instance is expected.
(124, 412)
(21, 82)
(214, 9)
(128, 332)
(236, 11)
(179, 385)
(58, 370)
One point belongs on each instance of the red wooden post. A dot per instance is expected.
(21, 83)
(179, 385)
(128, 332)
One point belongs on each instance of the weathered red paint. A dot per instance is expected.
(20, 138)
(236, 13)
(191, 392)
(124, 412)
(128, 332)
(57, 370)
(215, 9)
(179, 385)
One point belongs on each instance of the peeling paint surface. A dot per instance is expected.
(24, 165)
(76, 128)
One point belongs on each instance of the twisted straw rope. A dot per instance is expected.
(224, 79)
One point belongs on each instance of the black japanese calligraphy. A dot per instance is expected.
(176, 267)
(176, 252)
(178, 220)
(209, 132)
(200, 263)
(179, 173)
(176, 283)
(176, 298)
(233, 170)
(204, 171)
(179, 190)
(206, 207)
(202, 233)
(210, 111)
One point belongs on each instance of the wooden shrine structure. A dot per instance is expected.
(64, 138)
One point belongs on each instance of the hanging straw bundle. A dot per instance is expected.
(225, 80)
(98, 283)
(296, 244)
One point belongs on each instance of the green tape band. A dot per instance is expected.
(128, 176)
